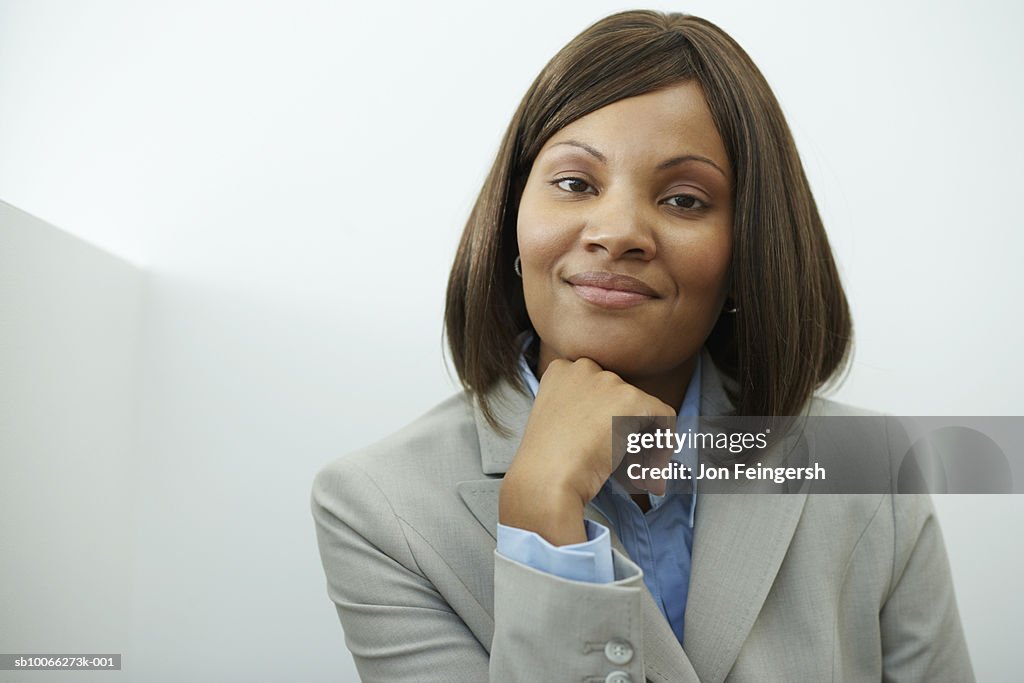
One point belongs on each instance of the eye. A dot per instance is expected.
(686, 201)
(572, 185)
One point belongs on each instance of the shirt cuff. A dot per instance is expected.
(589, 561)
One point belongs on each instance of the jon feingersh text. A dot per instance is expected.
(738, 471)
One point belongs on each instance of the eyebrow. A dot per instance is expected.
(668, 163)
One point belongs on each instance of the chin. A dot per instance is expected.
(629, 359)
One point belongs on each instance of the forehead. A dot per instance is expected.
(674, 120)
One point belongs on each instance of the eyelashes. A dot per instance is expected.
(568, 184)
(575, 185)
(690, 199)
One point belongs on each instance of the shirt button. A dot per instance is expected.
(618, 677)
(618, 652)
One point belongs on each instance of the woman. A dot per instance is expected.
(646, 243)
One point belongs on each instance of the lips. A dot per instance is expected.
(611, 290)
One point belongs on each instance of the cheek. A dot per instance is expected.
(704, 266)
(542, 239)
(541, 236)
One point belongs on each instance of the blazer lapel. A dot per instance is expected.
(739, 542)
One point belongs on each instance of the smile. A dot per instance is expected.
(611, 290)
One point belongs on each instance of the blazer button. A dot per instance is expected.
(618, 677)
(618, 652)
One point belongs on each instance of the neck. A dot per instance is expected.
(669, 387)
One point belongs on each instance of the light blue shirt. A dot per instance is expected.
(660, 541)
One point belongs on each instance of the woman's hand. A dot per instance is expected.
(566, 453)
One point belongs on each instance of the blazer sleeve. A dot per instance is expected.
(397, 625)
(400, 628)
(922, 639)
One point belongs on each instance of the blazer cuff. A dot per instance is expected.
(589, 561)
(553, 629)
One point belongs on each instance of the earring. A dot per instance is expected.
(733, 310)
(517, 266)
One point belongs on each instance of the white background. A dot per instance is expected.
(290, 180)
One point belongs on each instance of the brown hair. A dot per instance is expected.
(792, 331)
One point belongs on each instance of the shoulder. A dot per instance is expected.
(869, 428)
(903, 516)
(820, 406)
(859, 428)
(447, 430)
(406, 471)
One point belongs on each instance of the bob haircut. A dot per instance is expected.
(792, 331)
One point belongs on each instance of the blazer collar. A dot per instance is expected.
(739, 544)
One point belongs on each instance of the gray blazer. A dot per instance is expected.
(788, 588)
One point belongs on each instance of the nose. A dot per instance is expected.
(618, 225)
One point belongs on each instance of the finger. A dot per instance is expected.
(621, 474)
(657, 460)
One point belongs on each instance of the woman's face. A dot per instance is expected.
(625, 235)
